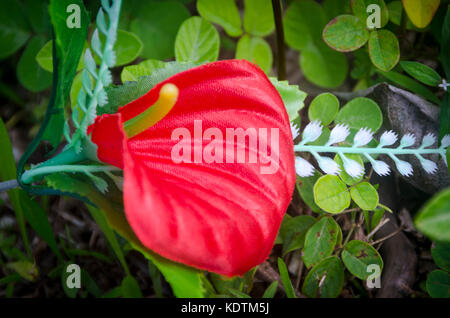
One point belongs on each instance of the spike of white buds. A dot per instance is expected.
(404, 167)
(294, 130)
(428, 165)
(362, 137)
(428, 140)
(328, 165)
(312, 131)
(407, 140)
(353, 168)
(381, 168)
(387, 138)
(445, 142)
(303, 167)
(338, 134)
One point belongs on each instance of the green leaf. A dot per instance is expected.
(70, 43)
(197, 41)
(421, 12)
(410, 84)
(37, 13)
(258, 17)
(325, 280)
(346, 33)
(30, 75)
(358, 255)
(157, 24)
(364, 195)
(45, 57)
(293, 232)
(445, 44)
(26, 269)
(305, 186)
(320, 241)
(360, 112)
(293, 98)
(255, 50)
(324, 108)
(271, 290)
(438, 284)
(185, 281)
(132, 73)
(395, 9)
(303, 23)
(421, 72)
(359, 8)
(441, 255)
(334, 8)
(444, 116)
(343, 174)
(238, 294)
(128, 47)
(433, 219)
(384, 49)
(130, 288)
(14, 31)
(289, 289)
(331, 194)
(37, 218)
(224, 13)
(323, 66)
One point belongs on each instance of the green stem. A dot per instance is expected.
(355, 150)
(28, 176)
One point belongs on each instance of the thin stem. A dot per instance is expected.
(396, 151)
(281, 50)
(8, 185)
(387, 236)
(379, 226)
(28, 176)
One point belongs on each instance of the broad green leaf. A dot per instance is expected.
(358, 255)
(293, 232)
(325, 280)
(8, 172)
(324, 108)
(445, 44)
(130, 288)
(128, 47)
(185, 281)
(438, 284)
(384, 49)
(224, 13)
(433, 219)
(345, 33)
(359, 113)
(45, 57)
(271, 290)
(289, 289)
(305, 186)
(303, 23)
(255, 50)
(37, 13)
(441, 255)
(258, 17)
(421, 72)
(197, 41)
(343, 174)
(37, 218)
(421, 12)
(293, 98)
(410, 84)
(30, 75)
(331, 194)
(359, 8)
(323, 66)
(14, 31)
(320, 241)
(69, 45)
(157, 24)
(26, 269)
(364, 195)
(395, 14)
(132, 73)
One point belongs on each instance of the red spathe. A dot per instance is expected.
(220, 217)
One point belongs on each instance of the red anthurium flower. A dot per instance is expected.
(192, 192)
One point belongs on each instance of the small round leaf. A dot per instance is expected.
(358, 255)
(365, 196)
(359, 113)
(255, 50)
(324, 107)
(345, 33)
(384, 50)
(438, 284)
(325, 280)
(224, 13)
(331, 194)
